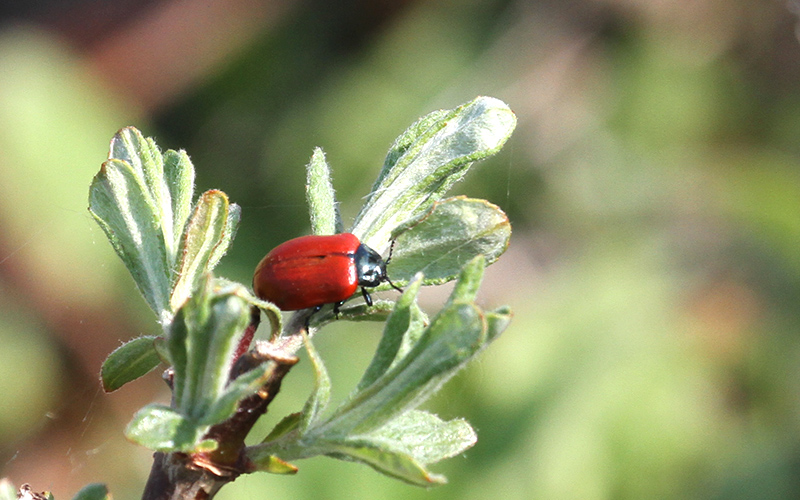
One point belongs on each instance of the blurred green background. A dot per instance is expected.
(653, 184)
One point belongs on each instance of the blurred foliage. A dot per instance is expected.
(652, 183)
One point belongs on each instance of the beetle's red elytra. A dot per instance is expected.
(311, 271)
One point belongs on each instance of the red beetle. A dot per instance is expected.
(311, 271)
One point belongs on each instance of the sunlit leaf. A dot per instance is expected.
(321, 196)
(383, 459)
(228, 233)
(427, 160)
(119, 201)
(179, 176)
(7, 490)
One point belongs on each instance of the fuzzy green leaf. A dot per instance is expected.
(321, 394)
(7, 490)
(161, 428)
(94, 491)
(141, 199)
(443, 239)
(176, 346)
(403, 327)
(382, 458)
(497, 321)
(451, 340)
(321, 197)
(408, 140)
(243, 386)
(202, 342)
(427, 160)
(405, 446)
(469, 280)
(287, 424)
(119, 201)
(129, 362)
(228, 233)
(179, 175)
(204, 233)
(426, 437)
(145, 158)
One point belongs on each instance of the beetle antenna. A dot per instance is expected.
(386, 263)
(393, 285)
(389, 259)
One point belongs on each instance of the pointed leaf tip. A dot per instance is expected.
(273, 465)
(321, 197)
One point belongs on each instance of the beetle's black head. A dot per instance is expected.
(370, 267)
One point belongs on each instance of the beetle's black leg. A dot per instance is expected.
(315, 311)
(336, 307)
(367, 296)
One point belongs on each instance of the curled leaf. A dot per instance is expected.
(450, 234)
(207, 236)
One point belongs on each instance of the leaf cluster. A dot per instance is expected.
(142, 198)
